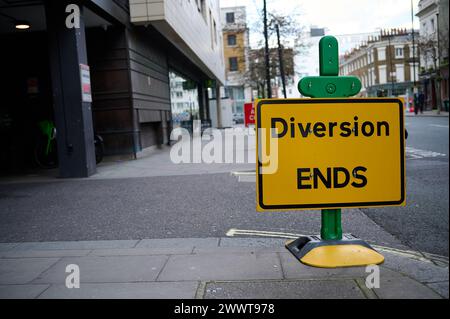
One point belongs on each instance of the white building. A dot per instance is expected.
(433, 47)
(428, 17)
(386, 64)
(187, 24)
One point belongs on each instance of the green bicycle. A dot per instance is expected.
(45, 151)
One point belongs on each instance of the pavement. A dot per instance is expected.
(205, 268)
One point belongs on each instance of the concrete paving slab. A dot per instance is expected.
(142, 251)
(294, 269)
(148, 290)
(236, 266)
(43, 253)
(21, 291)
(440, 287)
(77, 245)
(304, 289)
(402, 287)
(420, 270)
(112, 269)
(23, 270)
(178, 242)
(238, 249)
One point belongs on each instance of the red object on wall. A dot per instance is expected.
(249, 114)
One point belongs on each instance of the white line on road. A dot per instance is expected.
(233, 231)
(244, 173)
(415, 153)
(437, 125)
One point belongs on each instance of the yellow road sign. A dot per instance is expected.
(330, 153)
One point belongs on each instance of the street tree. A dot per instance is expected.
(292, 44)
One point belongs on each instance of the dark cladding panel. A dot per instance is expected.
(149, 116)
(112, 108)
(150, 92)
(107, 121)
(119, 143)
(110, 81)
(151, 134)
(149, 70)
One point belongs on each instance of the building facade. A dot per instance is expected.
(433, 48)
(387, 64)
(123, 52)
(236, 54)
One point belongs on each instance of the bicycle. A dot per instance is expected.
(45, 150)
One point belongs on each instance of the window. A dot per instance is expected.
(231, 40)
(233, 64)
(230, 17)
(382, 75)
(398, 53)
(201, 6)
(215, 31)
(414, 71)
(400, 72)
(381, 54)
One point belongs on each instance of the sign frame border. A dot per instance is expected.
(258, 110)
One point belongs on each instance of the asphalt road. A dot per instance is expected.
(209, 205)
(423, 223)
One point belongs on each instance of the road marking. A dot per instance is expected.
(245, 176)
(233, 231)
(414, 153)
(243, 173)
(426, 257)
(437, 125)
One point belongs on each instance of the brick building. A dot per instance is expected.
(386, 64)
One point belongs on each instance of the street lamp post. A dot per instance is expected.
(438, 69)
(267, 54)
(390, 63)
(413, 47)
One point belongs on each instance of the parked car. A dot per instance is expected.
(238, 118)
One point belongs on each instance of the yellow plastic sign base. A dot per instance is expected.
(334, 256)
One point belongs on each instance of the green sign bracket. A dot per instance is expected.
(329, 84)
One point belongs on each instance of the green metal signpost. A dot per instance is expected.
(332, 248)
(330, 85)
